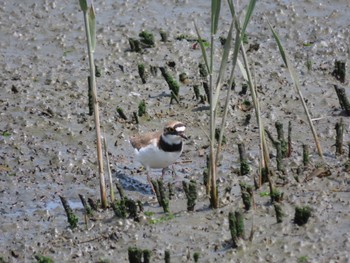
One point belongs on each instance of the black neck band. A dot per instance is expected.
(169, 147)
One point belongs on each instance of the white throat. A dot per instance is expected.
(171, 139)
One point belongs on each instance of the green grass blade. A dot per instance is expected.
(201, 44)
(232, 7)
(92, 27)
(223, 65)
(279, 44)
(215, 14)
(248, 15)
(242, 69)
(297, 87)
(83, 5)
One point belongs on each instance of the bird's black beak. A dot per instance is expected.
(183, 135)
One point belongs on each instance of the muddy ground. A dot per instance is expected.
(47, 137)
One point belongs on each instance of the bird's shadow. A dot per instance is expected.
(201, 108)
(130, 184)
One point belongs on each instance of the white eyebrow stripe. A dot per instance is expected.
(180, 129)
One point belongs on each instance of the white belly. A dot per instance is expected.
(152, 157)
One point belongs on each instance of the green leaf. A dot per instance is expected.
(6, 134)
(308, 44)
(83, 5)
(248, 15)
(223, 65)
(295, 80)
(66, 52)
(280, 47)
(92, 27)
(265, 193)
(201, 44)
(162, 219)
(148, 213)
(215, 14)
(242, 69)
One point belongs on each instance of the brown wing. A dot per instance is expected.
(142, 140)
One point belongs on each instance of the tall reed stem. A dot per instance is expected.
(90, 45)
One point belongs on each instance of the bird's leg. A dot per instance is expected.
(149, 180)
(173, 171)
(163, 172)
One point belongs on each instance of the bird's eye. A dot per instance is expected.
(171, 129)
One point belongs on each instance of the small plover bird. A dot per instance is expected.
(157, 150)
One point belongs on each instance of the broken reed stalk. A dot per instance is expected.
(163, 36)
(244, 170)
(244, 89)
(302, 215)
(121, 113)
(173, 85)
(190, 190)
(339, 70)
(203, 71)
(279, 156)
(119, 208)
(167, 256)
(297, 87)
(195, 257)
(206, 180)
(236, 225)
(305, 155)
(132, 208)
(126, 208)
(204, 75)
(135, 45)
(142, 108)
(170, 190)
(135, 255)
(247, 195)
(162, 196)
(196, 91)
(147, 39)
(206, 90)
(343, 99)
(136, 118)
(276, 196)
(279, 212)
(289, 151)
(90, 100)
(247, 119)
(142, 73)
(339, 128)
(92, 204)
(98, 72)
(154, 70)
(269, 135)
(120, 190)
(280, 137)
(90, 29)
(71, 217)
(87, 207)
(108, 169)
(147, 256)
